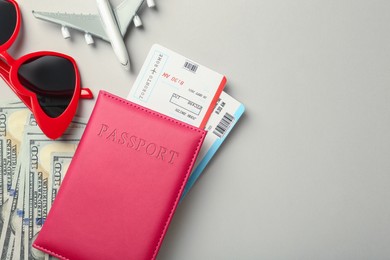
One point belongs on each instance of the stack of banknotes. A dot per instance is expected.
(32, 167)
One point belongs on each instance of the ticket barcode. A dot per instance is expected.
(191, 66)
(223, 125)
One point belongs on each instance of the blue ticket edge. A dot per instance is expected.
(210, 153)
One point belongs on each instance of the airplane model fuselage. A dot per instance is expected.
(111, 28)
(110, 24)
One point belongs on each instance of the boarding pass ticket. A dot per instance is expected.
(177, 86)
(224, 117)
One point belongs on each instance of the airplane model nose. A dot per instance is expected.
(126, 65)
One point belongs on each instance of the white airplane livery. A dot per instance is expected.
(110, 24)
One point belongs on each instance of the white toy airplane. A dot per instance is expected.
(110, 24)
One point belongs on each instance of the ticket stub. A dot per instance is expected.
(177, 87)
(224, 117)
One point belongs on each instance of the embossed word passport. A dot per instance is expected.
(123, 184)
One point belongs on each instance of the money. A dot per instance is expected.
(37, 174)
(2, 194)
(8, 236)
(14, 116)
(59, 164)
(18, 213)
(30, 177)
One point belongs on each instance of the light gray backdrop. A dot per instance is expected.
(306, 173)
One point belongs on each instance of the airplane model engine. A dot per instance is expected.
(88, 38)
(65, 32)
(150, 3)
(137, 21)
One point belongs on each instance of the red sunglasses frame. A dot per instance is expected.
(51, 127)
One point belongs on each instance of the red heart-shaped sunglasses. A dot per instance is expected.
(47, 82)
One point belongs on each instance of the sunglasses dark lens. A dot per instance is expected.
(53, 79)
(7, 21)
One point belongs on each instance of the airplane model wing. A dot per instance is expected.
(126, 12)
(88, 23)
(110, 24)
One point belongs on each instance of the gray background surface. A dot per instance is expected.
(306, 173)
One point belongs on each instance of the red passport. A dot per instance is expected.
(123, 185)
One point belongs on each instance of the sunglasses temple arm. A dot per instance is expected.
(86, 93)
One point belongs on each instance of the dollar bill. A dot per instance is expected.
(59, 164)
(8, 148)
(17, 215)
(8, 236)
(14, 116)
(10, 250)
(2, 195)
(13, 167)
(20, 223)
(37, 174)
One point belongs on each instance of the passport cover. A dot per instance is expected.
(123, 185)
